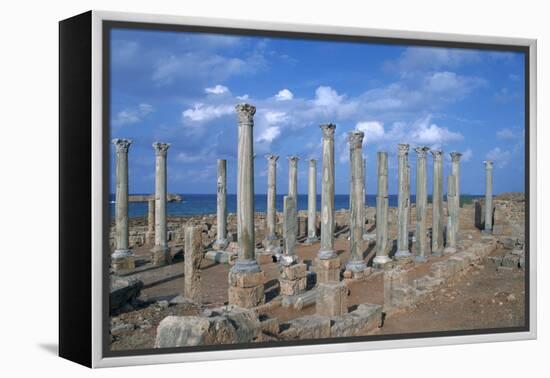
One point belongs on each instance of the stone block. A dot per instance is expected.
(246, 297)
(270, 326)
(123, 264)
(222, 257)
(160, 256)
(123, 291)
(328, 270)
(293, 272)
(306, 328)
(366, 318)
(264, 258)
(332, 300)
(246, 279)
(292, 287)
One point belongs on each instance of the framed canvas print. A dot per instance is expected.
(232, 189)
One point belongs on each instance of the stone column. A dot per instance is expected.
(221, 214)
(328, 263)
(160, 252)
(402, 202)
(122, 258)
(272, 244)
(422, 251)
(290, 223)
(312, 203)
(437, 204)
(293, 184)
(450, 246)
(246, 279)
(382, 206)
(488, 197)
(455, 171)
(150, 236)
(193, 258)
(356, 265)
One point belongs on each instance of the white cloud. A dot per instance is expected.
(327, 97)
(218, 89)
(242, 98)
(203, 113)
(132, 115)
(427, 133)
(508, 133)
(467, 155)
(374, 131)
(269, 134)
(275, 117)
(284, 95)
(499, 156)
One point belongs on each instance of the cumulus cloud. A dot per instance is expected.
(284, 95)
(269, 134)
(203, 113)
(467, 155)
(511, 134)
(500, 157)
(132, 115)
(218, 89)
(374, 130)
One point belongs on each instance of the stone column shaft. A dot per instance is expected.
(437, 204)
(450, 246)
(402, 202)
(151, 220)
(271, 218)
(455, 171)
(289, 231)
(356, 264)
(327, 194)
(293, 184)
(193, 258)
(221, 209)
(382, 207)
(488, 196)
(161, 253)
(312, 202)
(422, 251)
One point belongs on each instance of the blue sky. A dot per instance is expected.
(181, 88)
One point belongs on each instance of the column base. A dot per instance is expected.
(437, 252)
(326, 254)
(246, 289)
(488, 232)
(328, 270)
(449, 250)
(380, 262)
(311, 240)
(355, 269)
(122, 260)
(220, 244)
(245, 266)
(402, 254)
(420, 259)
(160, 256)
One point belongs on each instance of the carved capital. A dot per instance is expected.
(122, 145)
(488, 164)
(328, 130)
(437, 155)
(272, 158)
(161, 148)
(402, 149)
(312, 162)
(245, 114)
(421, 151)
(455, 156)
(293, 160)
(355, 138)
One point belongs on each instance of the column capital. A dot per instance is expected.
(161, 148)
(437, 154)
(421, 151)
(312, 162)
(293, 160)
(355, 138)
(271, 158)
(455, 156)
(328, 130)
(402, 149)
(122, 145)
(245, 114)
(488, 164)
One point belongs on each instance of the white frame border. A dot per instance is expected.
(97, 182)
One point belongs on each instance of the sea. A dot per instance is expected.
(201, 204)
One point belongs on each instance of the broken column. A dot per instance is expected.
(221, 213)
(193, 258)
(450, 246)
(312, 203)
(246, 279)
(455, 171)
(161, 252)
(332, 299)
(382, 207)
(272, 244)
(437, 204)
(402, 202)
(356, 264)
(328, 263)
(122, 258)
(488, 196)
(422, 251)
(150, 235)
(293, 184)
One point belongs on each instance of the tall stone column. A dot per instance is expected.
(245, 277)
(192, 263)
(293, 184)
(312, 203)
(272, 244)
(437, 204)
(422, 250)
(122, 258)
(221, 214)
(455, 171)
(160, 252)
(450, 246)
(290, 223)
(150, 235)
(402, 202)
(328, 263)
(382, 207)
(488, 197)
(356, 264)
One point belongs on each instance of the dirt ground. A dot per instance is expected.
(482, 298)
